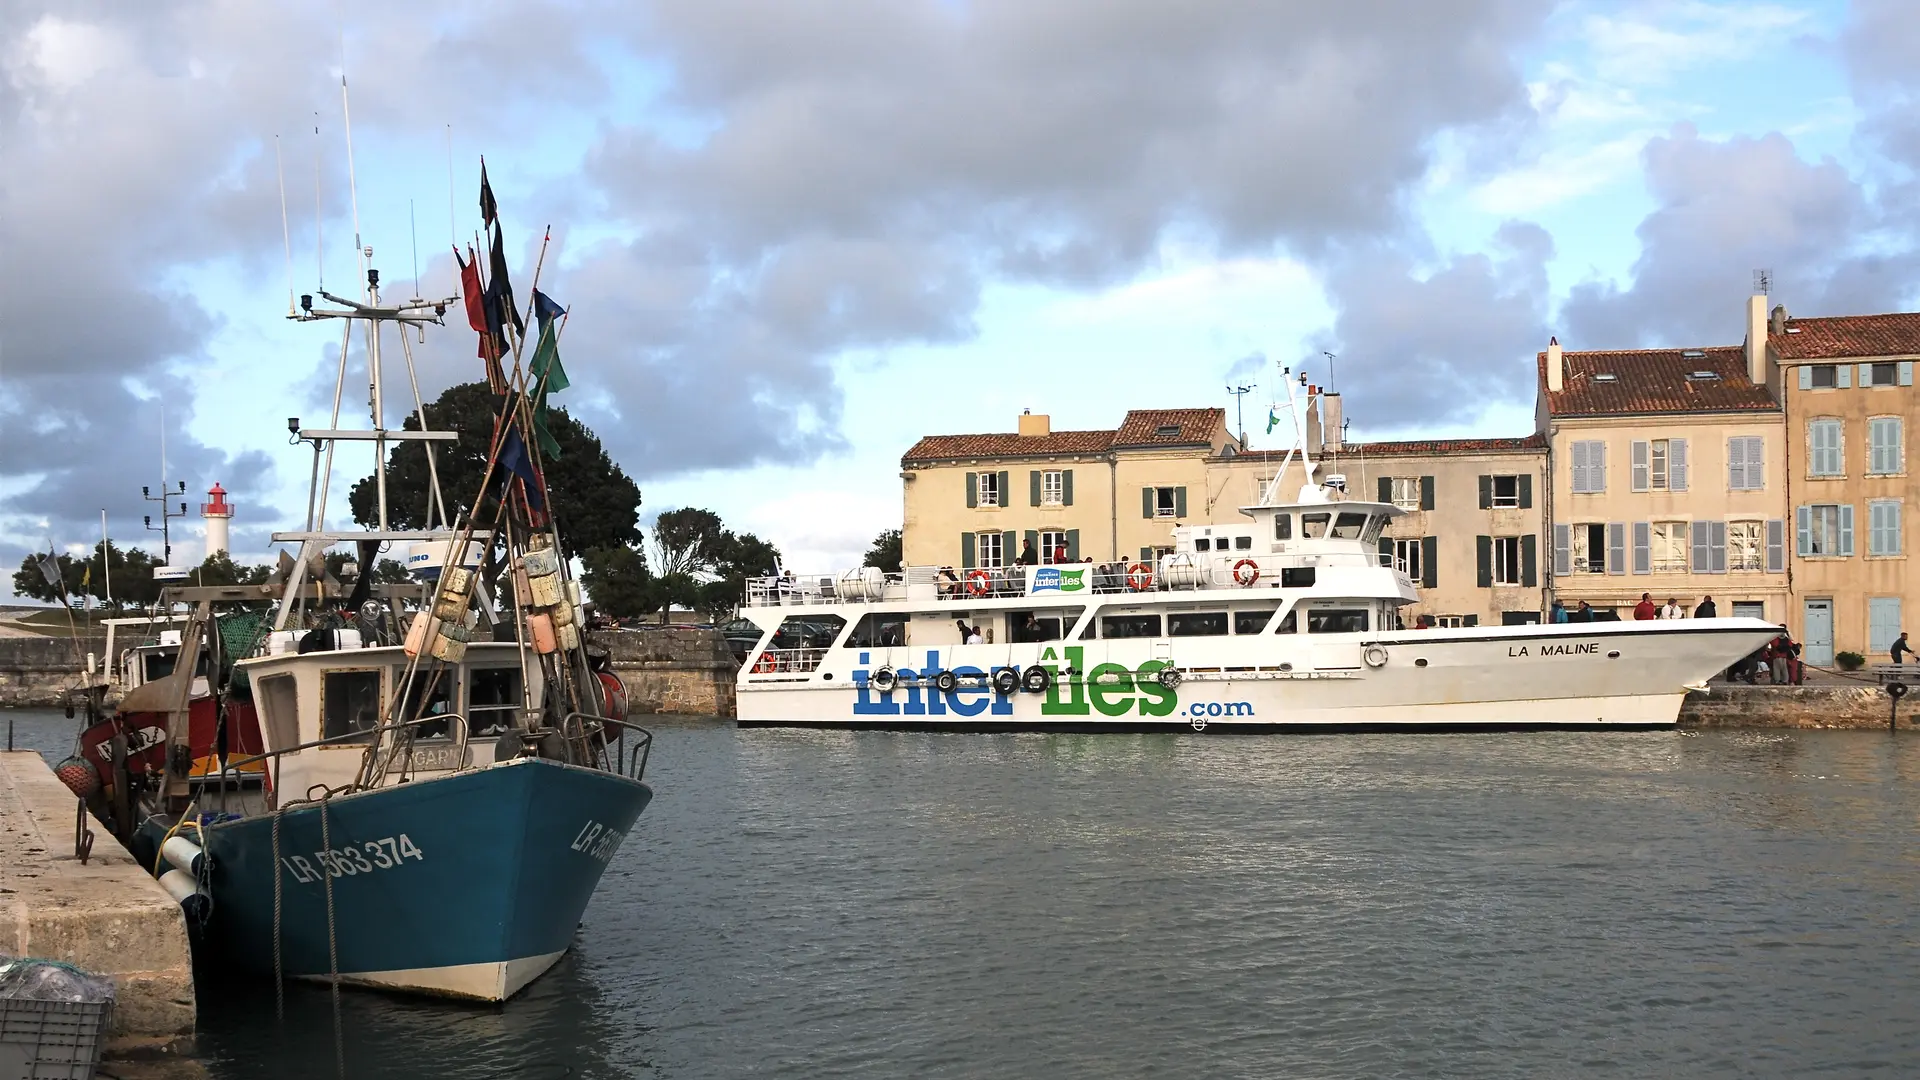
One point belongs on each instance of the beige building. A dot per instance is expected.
(1668, 477)
(1851, 409)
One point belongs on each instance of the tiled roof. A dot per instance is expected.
(1006, 444)
(1418, 448)
(1655, 381)
(1849, 336)
(1142, 426)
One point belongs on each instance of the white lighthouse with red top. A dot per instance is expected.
(218, 511)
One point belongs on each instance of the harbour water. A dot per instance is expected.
(1722, 904)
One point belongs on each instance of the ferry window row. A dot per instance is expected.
(351, 701)
(1320, 525)
(1239, 543)
(1215, 623)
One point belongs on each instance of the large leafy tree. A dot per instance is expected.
(702, 565)
(885, 552)
(618, 581)
(596, 504)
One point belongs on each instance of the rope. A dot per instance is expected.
(333, 941)
(279, 978)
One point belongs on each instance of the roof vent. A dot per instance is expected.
(1703, 375)
(1695, 354)
(1793, 329)
(1166, 431)
(1606, 376)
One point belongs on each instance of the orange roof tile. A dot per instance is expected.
(1848, 337)
(1142, 427)
(1006, 444)
(1651, 381)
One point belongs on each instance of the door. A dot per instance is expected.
(1749, 609)
(1817, 635)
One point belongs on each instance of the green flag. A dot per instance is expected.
(549, 376)
(1273, 418)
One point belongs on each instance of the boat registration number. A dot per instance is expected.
(354, 860)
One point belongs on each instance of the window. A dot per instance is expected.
(987, 551)
(493, 696)
(1658, 481)
(1668, 549)
(280, 718)
(1884, 454)
(1883, 527)
(1298, 577)
(1053, 488)
(1314, 526)
(350, 705)
(1822, 377)
(879, 630)
(1405, 492)
(1197, 624)
(1243, 543)
(1166, 431)
(1746, 468)
(1052, 543)
(1824, 529)
(987, 485)
(1879, 374)
(1252, 622)
(1450, 622)
(1590, 549)
(1745, 546)
(1167, 501)
(1506, 491)
(1349, 526)
(1283, 526)
(1203, 544)
(1589, 466)
(1825, 450)
(1406, 557)
(430, 694)
(1129, 626)
(1506, 560)
(1336, 621)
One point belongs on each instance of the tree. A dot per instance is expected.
(618, 581)
(595, 503)
(703, 566)
(220, 569)
(885, 552)
(30, 581)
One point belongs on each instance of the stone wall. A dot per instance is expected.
(679, 672)
(1857, 705)
(38, 671)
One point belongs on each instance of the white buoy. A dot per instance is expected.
(182, 854)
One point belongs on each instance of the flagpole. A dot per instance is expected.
(106, 562)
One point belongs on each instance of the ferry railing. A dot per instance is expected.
(788, 661)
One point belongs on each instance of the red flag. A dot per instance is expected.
(470, 290)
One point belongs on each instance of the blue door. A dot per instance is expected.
(1883, 624)
(1817, 633)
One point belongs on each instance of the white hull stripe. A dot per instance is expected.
(479, 982)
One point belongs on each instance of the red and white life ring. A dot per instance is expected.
(1246, 572)
(764, 665)
(979, 582)
(1139, 577)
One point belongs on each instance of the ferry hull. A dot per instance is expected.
(1598, 676)
(468, 885)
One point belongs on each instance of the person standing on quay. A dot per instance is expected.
(1645, 609)
(1900, 648)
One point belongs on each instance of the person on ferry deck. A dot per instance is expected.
(1059, 553)
(1558, 614)
(1583, 613)
(1645, 609)
(1705, 609)
(1027, 557)
(1672, 610)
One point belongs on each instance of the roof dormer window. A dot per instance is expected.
(1606, 376)
(1167, 431)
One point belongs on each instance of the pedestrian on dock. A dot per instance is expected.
(1645, 610)
(1705, 609)
(1779, 661)
(1901, 648)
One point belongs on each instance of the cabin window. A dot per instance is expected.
(431, 694)
(1376, 524)
(350, 705)
(280, 711)
(1243, 543)
(1337, 621)
(1314, 526)
(1197, 624)
(1288, 625)
(1048, 625)
(1283, 526)
(879, 630)
(493, 695)
(1298, 577)
(1252, 622)
(1129, 626)
(810, 632)
(1349, 526)
(1202, 544)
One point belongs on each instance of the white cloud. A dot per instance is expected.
(1652, 44)
(1556, 177)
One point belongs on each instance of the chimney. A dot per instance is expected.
(1556, 376)
(1034, 425)
(1313, 417)
(1757, 339)
(1330, 437)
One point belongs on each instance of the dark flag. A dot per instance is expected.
(514, 459)
(509, 311)
(470, 290)
(489, 210)
(545, 310)
(549, 377)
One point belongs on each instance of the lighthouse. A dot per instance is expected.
(218, 511)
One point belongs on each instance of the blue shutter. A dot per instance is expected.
(1702, 548)
(1846, 528)
(1866, 374)
(1676, 464)
(1737, 464)
(1906, 373)
(1642, 547)
(1717, 545)
(1843, 376)
(1802, 531)
(1806, 377)
(1883, 622)
(1562, 550)
(1641, 468)
(1776, 546)
(1756, 463)
(1616, 547)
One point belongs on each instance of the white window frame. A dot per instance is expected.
(1047, 546)
(986, 490)
(989, 541)
(1406, 492)
(1166, 500)
(1595, 562)
(1505, 502)
(1053, 488)
(1506, 560)
(1450, 622)
(1884, 527)
(1657, 465)
(1406, 557)
(1667, 547)
(1827, 515)
(1818, 463)
(1746, 543)
(1886, 457)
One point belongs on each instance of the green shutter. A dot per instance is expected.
(1386, 489)
(1009, 547)
(1146, 555)
(966, 548)
(1429, 560)
(1526, 491)
(1180, 502)
(1033, 488)
(1073, 545)
(1483, 560)
(1529, 559)
(1486, 492)
(1146, 502)
(1006, 493)
(1470, 620)
(1066, 487)
(1033, 539)
(973, 495)
(1426, 493)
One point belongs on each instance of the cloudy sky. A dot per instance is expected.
(796, 237)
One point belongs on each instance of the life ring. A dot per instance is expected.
(1374, 656)
(979, 582)
(764, 665)
(884, 680)
(946, 682)
(1036, 679)
(1251, 574)
(1168, 677)
(1006, 682)
(1139, 577)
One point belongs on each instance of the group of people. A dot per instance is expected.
(1645, 609)
(1028, 557)
(969, 635)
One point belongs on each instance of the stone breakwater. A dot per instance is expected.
(37, 672)
(678, 672)
(1854, 705)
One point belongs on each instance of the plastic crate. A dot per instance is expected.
(52, 1040)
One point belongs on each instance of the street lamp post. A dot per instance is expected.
(167, 514)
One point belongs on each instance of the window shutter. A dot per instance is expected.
(1005, 493)
(1009, 547)
(1483, 561)
(973, 492)
(1073, 545)
(1756, 463)
(1429, 561)
(1802, 531)
(1846, 528)
(1737, 464)
(1616, 547)
(1806, 376)
(1866, 374)
(1642, 547)
(1146, 502)
(1562, 550)
(1033, 488)
(1597, 466)
(1526, 491)
(966, 551)
(1641, 470)
(1676, 464)
(1486, 491)
(1180, 502)
(1426, 493)
(1895, 542)
(1906, 373)
(1033, 537)
(1843, 376)
(1580, 460)
(1470, 620)
(1066, 487)
(1530, 561)
(1702, 547)
(1776, 546)
(1876, 526)
(1717, 545)
(1386, 489)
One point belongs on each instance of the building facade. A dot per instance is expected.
(1668, 478)
(1851, 411)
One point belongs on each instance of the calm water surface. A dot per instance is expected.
(797, 904)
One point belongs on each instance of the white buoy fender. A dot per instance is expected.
(182, 854)
(185, 891)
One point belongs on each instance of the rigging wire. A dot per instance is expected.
(286, 233)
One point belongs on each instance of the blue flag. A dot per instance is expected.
(513, 458)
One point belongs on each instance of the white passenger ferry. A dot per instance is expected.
(1290, 622)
